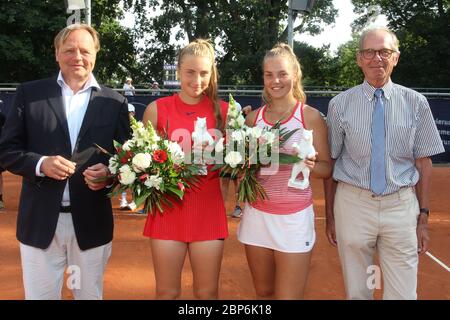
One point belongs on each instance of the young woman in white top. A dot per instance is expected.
(278, 233)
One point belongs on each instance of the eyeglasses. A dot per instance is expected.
(370, 53)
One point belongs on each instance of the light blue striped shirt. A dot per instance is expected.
(410, 134)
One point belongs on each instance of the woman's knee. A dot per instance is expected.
(265, 292)
(168, 294)
(206, 293)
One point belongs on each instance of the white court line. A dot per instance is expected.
(438, 261)
(430, 220)
(438, 220)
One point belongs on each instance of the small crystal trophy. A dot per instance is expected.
(201, 138)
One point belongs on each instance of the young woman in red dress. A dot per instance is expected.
(197, 225)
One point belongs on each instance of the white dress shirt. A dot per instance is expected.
(75, 106)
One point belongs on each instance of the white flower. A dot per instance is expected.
(125, 168)
(140, 142)
(127, 145)
(240, 120)
(232, 123)
(233, 158)
(141, 161)
(219, 145)
(127, 176)
(113, 164)
(254, 132)
(138, 131)
(153, 182)
(237, 135)
(176, 152)
(269, 137)
(143, 136)
(232, 113)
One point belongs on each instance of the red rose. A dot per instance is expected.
(126, 157)
(143, 177)
(160, 156)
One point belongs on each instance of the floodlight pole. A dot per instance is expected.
(75, 7)
(88, 12)
(295, 7)
(290, 25)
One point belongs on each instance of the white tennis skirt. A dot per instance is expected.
(291, 233)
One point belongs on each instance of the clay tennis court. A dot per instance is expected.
(129, 274)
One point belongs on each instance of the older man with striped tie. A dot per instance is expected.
(381, 136)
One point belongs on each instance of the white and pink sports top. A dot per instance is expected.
(281, 198)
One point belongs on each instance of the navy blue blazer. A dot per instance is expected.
(37, 126)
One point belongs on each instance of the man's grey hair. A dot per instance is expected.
(64, 34)
(368, 31)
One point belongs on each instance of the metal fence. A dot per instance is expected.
(438, 98)
(252, 90)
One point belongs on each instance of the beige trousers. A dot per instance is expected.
(43, 270)
(366, 223)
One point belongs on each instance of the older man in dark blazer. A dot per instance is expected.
(65, 216)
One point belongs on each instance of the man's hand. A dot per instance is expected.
(330, 186)
(57, 167)
(422, 234)
(331, 231)
(96, 172)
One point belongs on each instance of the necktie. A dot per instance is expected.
(377, 160)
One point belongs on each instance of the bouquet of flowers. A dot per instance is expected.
(247, 150)
(153, 168)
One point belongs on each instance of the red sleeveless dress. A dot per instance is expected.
(201, 215)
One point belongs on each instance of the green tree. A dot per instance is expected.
(243, 30)
(28, 30)
(26, 38)
(117, 57)
(423, 28)
(345, 69)
(315, 64)
(320, 68)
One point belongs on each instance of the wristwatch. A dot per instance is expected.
(425, 210)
